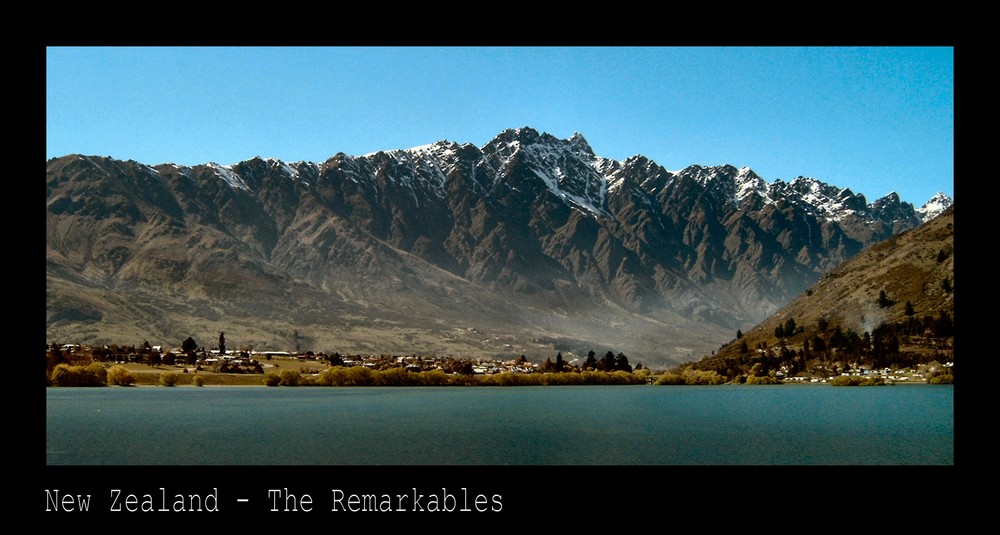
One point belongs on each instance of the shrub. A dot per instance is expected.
(945, 379)
(846, 380)
(119, 375)
(394, 377)
(693, 377)
(168, 379)
(703, 377)
(358, 376)
(290, 378)
(763, 380)
(92, 375)
(272, 379)
(96, 374)
(63, 375)
(671, 379)
(434, 378)
(198, 380)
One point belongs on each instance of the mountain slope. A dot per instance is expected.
(907, 280)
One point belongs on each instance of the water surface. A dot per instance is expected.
(545, 425)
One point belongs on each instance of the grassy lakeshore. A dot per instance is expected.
(295, 372)
(146, 375)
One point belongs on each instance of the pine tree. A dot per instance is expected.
(621, 363)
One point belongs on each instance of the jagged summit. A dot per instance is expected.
(574, 172)
(935, 206)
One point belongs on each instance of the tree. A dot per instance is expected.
(621, 363)
(944, 326)
(607, 362)
(222, 343)
(189, 346)
(119, 375)
(591, 361)
(789, 327)
(290, 378)
(168, 379)
(739, 334)
(909, 309)
(560, 365)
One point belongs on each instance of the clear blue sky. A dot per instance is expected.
(875, 120)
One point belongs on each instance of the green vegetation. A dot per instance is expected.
(90, 375)
(815, 354)
(120, 376)
(362, 376)
(290, 378)
(947, 379)
(857, 380)
(825, 350)
(272, 379)
(762, 380)
(941, 376)
(691, 376)
(168, 379)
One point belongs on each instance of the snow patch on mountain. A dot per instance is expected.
(288, 169)
(820, 198)
(568, 168)
(571, 170)
(748, 183)
(225, 172)
(934, 207)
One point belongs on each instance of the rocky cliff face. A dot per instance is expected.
(535, 239)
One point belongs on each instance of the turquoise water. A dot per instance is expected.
(573, 425)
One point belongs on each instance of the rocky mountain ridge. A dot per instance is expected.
(419, 249)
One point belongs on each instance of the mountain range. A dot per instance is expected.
(528, 245)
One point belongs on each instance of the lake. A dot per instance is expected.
(545, 425)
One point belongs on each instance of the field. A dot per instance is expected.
(146, 375)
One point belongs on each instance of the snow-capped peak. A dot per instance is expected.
(579, 144)
(278, 164)
(749, 183)
(933, 208)
(821, 198)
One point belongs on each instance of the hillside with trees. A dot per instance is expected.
(892, 306)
